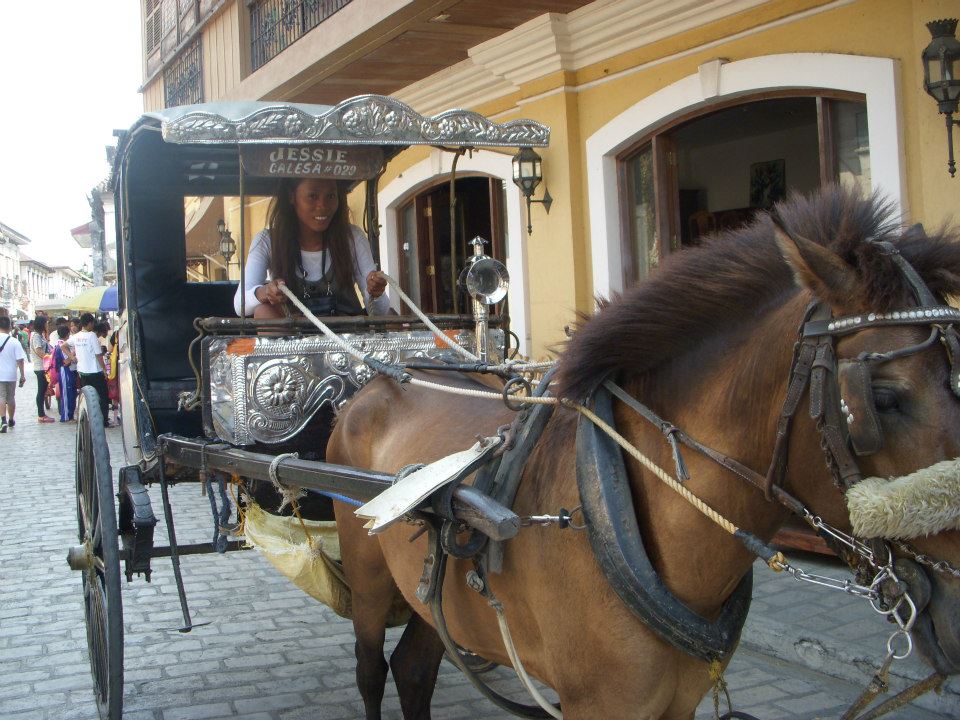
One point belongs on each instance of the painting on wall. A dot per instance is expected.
(768, 183)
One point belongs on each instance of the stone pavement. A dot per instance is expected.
(272, 653)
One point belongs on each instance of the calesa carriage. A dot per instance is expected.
(594, 530)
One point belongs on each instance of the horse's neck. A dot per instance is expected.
(727, 395)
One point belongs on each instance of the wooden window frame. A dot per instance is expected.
(664, 163)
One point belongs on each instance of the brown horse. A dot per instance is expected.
(707, 343)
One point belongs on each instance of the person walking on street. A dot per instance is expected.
(64, 365)
(85, 345)
(11, 359)
(39, 347)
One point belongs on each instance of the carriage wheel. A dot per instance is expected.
(98, 558)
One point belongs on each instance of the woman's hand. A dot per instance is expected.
(270, 294)
(376, 283)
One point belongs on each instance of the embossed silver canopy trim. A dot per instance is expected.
(362, 120)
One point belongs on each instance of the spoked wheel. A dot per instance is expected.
(98, 558)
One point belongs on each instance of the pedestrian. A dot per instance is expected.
(53, 372)
(11, 359)
(39, 348)
(23, 337)
(90, 364)
(65, 368)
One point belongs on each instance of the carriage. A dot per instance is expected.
(207, 396)
(669, 502)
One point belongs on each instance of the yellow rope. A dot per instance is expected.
(295, 507)
(655, 469)
(237, 482)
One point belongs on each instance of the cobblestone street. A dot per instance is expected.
(270, 652)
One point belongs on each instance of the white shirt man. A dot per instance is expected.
(85, 346)
(12, 358)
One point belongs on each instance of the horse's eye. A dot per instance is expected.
(885, 399)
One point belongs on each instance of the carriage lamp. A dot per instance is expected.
(941, 75)
(527, 174)
(228, 246)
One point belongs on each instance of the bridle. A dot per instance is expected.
(841, 396)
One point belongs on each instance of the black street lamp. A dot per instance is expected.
(228, 246)
(941, 75)
(527, 174)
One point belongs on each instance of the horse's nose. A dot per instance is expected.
(944, 610)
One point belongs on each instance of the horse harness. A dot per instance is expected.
(842, 405)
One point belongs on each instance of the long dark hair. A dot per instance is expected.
(285, 259)
(40, 324)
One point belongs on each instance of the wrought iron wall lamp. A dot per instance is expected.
(941, 75)
(527, 174)
(228, 246)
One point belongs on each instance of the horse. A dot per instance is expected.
(707, 342)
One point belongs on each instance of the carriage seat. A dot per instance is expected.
(166, 324)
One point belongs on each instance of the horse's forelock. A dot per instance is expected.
(737, 275)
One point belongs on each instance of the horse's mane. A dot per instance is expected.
(736, 275)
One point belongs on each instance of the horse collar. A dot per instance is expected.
(618, 547)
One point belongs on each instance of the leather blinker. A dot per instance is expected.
(858, 408)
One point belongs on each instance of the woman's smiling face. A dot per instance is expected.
(315, 202)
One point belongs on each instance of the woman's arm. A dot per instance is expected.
(254, 272)
(362, 267)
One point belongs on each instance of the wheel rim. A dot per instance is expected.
(97, 531)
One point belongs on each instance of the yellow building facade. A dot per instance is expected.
(669, 118)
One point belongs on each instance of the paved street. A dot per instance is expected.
(272, 653)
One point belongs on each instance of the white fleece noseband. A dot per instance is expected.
(925, 502)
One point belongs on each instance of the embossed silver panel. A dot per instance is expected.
(366, 119)
(269, 394)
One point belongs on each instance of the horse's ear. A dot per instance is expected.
(819, 270)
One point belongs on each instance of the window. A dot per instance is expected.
(205, 261)
(183, 80)
(714, 171)
(153, 25)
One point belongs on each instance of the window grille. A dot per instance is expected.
(276, 24)
(183, 80)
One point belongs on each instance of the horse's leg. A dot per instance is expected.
(414, 663)
(372, 591)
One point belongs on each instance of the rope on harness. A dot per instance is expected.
(518, 664)
(775, 560)
(289, 494)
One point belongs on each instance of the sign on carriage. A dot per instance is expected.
(328, 162)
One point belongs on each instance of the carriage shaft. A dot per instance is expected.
(470, 506)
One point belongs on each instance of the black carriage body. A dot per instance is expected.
(192, 375)
(195, 151)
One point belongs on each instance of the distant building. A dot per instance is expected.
(11, 289)
(48, 287)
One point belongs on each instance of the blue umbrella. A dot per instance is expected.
(109, 303)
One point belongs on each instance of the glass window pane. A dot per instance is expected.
(853, 144)
(641, 213)
(201, 213)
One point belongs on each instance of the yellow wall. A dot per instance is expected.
(576, 104)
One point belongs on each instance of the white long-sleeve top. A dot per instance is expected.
(315, 264)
